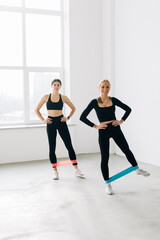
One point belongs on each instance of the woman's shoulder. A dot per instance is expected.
(93, 101)
(113, 98)
(116, 101)
(64, 98)
(46, 97)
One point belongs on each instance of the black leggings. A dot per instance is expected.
(65, 135)
(119, 138)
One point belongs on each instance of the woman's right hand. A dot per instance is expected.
(48, 120)
(101, 126)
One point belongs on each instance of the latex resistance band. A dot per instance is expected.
(121, 174)
(66, 162)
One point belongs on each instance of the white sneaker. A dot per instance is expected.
(78, 173)
(56, 175)
(108, 189)
(142, 172)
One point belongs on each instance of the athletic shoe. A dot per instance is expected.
(142, 172)
(78, 173)
(108, 189)
(56, 175)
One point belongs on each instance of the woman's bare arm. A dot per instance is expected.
(70, 104)
(40, 104)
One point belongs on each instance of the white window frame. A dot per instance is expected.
(27, 69)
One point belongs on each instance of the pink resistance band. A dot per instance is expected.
(66, 162)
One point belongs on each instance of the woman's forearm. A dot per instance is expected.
(71, 113)
(39, 115)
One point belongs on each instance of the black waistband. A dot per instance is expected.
(55, 117)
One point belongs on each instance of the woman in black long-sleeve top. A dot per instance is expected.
(109, 127)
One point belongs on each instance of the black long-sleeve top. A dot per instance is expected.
(104, 113)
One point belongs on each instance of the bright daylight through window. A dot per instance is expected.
(31, 56)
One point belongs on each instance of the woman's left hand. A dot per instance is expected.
(116, 123)
(64, 119)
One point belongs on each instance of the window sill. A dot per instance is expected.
(28, 126)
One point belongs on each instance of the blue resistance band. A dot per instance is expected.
(121, 174)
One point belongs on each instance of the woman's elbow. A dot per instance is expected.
(36, 110)
(129, 110)
(81, 118)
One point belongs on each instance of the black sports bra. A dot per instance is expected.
(54, 105)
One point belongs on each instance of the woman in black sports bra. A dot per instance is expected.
(109, 127)
(56, 121)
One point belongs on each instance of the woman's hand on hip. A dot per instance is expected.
(116, 123)
(48, 120)
(64, 119)
(101, 126)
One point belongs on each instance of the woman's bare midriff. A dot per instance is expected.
(55, 113)
(108, 121)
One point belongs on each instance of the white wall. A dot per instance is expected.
(85, 66)
(108, 42)
(86, 70)
(111, 39)
(108, 54)
(137, 49)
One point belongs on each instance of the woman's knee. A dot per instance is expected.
(104, 157)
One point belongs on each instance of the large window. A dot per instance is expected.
(31, 56)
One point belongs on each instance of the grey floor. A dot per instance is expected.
(35, 207)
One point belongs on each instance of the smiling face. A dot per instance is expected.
(104, 87)
(56, 86)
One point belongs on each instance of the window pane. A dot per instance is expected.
(11, 39)
(44, 4)
(43, 40)
(12, 3)
(11, 96)
(39, 85)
